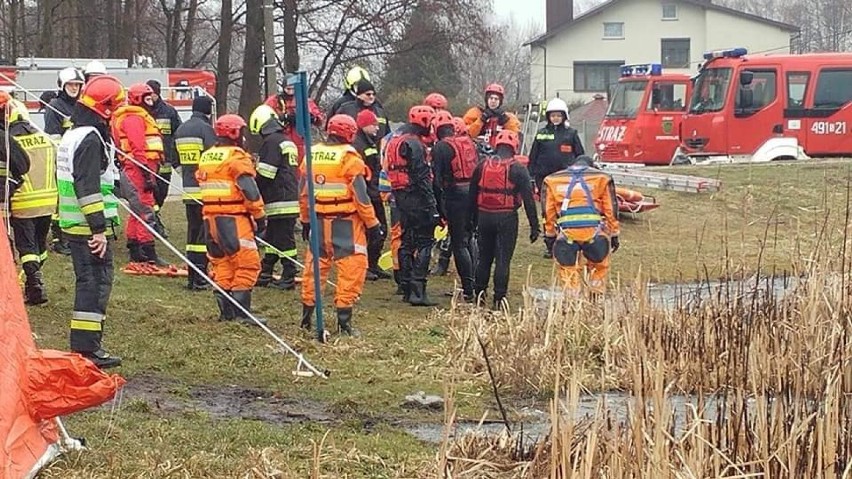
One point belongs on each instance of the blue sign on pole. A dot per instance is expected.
(303, 127)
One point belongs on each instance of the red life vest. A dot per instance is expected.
(395, 164)
(496, 189)
(465, 158)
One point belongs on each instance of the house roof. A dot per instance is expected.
(700, 3)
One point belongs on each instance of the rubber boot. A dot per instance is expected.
(58, 245)
(135, 252)
(399, 290)
(34, 289)
(195, 282)
(418, 296)
(284, 284)
(150, 254)
(226, 309)
(307, 316)
(244, 298)
(378, 273)
(102, 359)
(370, 275)
(267, 267)
(344, 323)
(406, 292)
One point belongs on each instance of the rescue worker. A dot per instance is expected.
(284, 104)
(554, 148)
(580, 218)
(233, 215)
(499, 186)
(168, 121)
(490, 120)
(138, 137)
(366, 100)
(350, 80)
(88, 212)
(193, 138)
(279, 187)
(453, 160)
(57, 120)
(13, 173)
(33, 202)
(365, 143)
(437, 101)
(411, 180)
(345, 219)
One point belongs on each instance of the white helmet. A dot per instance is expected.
(557, 104)
(95, 67)
(69, 75)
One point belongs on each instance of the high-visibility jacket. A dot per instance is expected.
(338, 191)
(73, 210)
(153, 151)
(38, 193)
(219, 170)
(276, 171)
(192, 138)
(580, 203)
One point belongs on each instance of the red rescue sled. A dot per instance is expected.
(632, 201)
(148, 269)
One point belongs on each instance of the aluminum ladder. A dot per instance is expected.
(641, 178)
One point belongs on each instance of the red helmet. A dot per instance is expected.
(507, 137)
(137, 92)
(103, 95)
(436, 101)
(459, 126)
(442, 118)
(230, 126)
(343, 127)
(495, 89)
(421, 115)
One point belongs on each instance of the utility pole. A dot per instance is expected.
(270, 62)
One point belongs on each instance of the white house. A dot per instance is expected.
(579, 57)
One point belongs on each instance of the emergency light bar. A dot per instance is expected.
(642, 69)
(729, 53)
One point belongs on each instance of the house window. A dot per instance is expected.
(669, 11)
(613, 30)
(596, 76)
(675, 52)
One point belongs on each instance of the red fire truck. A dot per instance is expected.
(644, 115)
(769, 107)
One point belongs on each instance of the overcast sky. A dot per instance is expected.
(522, 10)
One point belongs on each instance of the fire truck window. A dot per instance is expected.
(711, 87)
(834, 88)
(626, 99)
(672, 97)
(797, 86)
(763, 89)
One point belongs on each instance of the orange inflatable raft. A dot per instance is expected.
(632, 201)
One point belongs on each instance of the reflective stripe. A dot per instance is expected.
(545, 136)
(80, 325)
(87, 200)
(370, 151)
(266, 170)
(360, 249)
(271, 250)
(216, 188)
(30, 258)
(165, 168)
(164, 125)
(42, 257)
(196, 248)
(281, 208)
(154, 143)
(189, 150)
(92, 208)
(248, 244)
(329, 190)
(87, 316)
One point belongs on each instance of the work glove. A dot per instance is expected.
(614, 243)
(306, 231)
(150, 181)
(260, 226)
(535, 232)
(287, 118)
(376, 234)
(486, 115)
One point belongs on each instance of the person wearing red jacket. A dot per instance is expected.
(284, 104)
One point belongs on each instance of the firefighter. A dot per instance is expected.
(490, 120)
(168, 121)
(366, 100)
(345, 218)
(366, 144)
(411, 179)
(33, 202)
(192, 138)
(554, 148)
(580, 217)
(12, 174)
(453, 161)
(88, 212)
(138, 137)
(284, 104)
(233, 215)
(276, 178)
(350, 80)
(499, 186)
(57, 120)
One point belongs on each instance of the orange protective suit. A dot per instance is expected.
(344, 213)
(580, 218)
(475, 127)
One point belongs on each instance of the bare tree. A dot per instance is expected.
(252, 58)
(223, 63)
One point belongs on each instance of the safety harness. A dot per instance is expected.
(573, 218)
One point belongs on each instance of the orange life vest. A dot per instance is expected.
(218, 170)
(465, 158)
(496, 188)
(332, 191)
(154, 150)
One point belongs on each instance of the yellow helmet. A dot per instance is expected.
(259, 117)
(353, 76)
(17, 111)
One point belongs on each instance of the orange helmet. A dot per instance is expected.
(229, 126)
(421, 115)
(103, 95)
(442, 118)
(459, 126)
(137, 92)
(436, 101)
(343, 127)
(507, 137)
(495, 89)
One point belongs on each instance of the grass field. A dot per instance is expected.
(206, 399)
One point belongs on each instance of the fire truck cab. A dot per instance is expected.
(642, 122)
(769, 107)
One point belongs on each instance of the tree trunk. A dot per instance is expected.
(113, 41)
(87, 38)
(126, 39)
(291, 46)
(223, 61)
(252, 58)
(13, 31)
(189, 36)
(173, 32)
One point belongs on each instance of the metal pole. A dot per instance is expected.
(269, 48)
(303, 127)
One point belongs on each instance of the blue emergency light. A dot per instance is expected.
(642, 69)
(729, 53)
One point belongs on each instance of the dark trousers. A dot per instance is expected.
(415, 253)
(31, 241)
(161, 191)
(280, 233)
(374, 248)
(498, 234)
(92, 289)
(460, 238)
(196, 242)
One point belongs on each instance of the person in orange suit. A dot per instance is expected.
(345, 219)
(491, 119)
(233, 214)
(580, 219)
